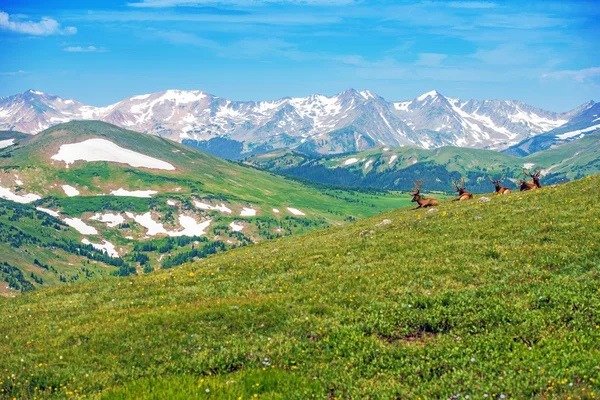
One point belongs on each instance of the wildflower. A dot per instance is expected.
(191, 274)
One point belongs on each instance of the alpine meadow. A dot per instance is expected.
(196, 202)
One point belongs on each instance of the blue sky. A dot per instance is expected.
(545, 53)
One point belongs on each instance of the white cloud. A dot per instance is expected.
(46, 26)
(88, 49)
(581, 76)
(13, 73)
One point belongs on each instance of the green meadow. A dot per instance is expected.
(496, 299)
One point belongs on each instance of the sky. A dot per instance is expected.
(545, 53)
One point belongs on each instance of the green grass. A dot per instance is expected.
(497, 298)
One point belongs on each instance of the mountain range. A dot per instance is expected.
(347, 122)
(397, 168)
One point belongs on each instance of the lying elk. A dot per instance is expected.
(416, 194)
(499, 189)
(535, 184)
(462, 192)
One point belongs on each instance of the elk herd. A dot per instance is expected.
(463, 194)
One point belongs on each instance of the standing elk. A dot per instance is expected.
(416, 194)
(499, 189)
(535, 184)
(462, 192)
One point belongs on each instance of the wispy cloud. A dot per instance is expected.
(581, 75)
(244, 3)
(84, 49)
(271, 18)
(430, 59)
(46, 26)
(472, 4)
(13, 73)
(184, 38)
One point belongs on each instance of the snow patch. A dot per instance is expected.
(295, 211)
(6, 194)
(235, 227)
(133, 193)
(571, 134)
(104, 150)
(276, 211)
(190, 227)
(367, 164)
(205, 206)
(392, 159)
(248, 212)
(81, 226)
(111, 220)
(6, 143)
(171, 203)
(350, 161)
(528, 165)
(48, 211)
(70, 190)
(106, 247)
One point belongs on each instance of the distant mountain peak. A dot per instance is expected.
(352, 120)
(425, 96)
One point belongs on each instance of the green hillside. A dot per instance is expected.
(495, 299)
(397, 168)
(237, 204)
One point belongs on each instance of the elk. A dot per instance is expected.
(462, 192)
(499, 189)
(535, 184)
(416, 194)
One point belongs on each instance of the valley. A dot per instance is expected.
(397, 168)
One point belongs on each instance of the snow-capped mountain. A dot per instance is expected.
(349, 121)
(584, 121)
(493, 124)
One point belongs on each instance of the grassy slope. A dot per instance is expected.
(569, 161)
(20, 222)
(209, 175)
(476, 298)
(197, 174)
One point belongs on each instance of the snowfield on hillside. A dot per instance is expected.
(80, 226)
(295, 211)
(104, 150)
(6, 194)
(6, 143)
(571, 134)
(111, 220)
(133, 193)
(106, 247)
(70, 190)
(48, 211)
(248, 212)
(236, 227)
(205, 206)
(191, 227)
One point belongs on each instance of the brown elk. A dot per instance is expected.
(535, 184)
(499, 189)
(416, 194)
(462, 192)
